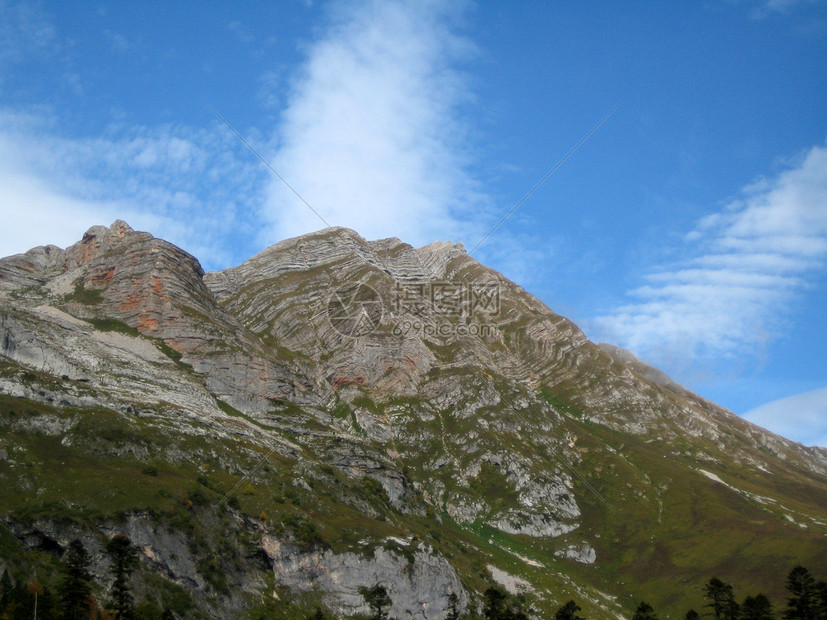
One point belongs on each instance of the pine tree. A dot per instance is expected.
(568, 612)
(821, 597)
(721, 599)
(496, 603)
(76, 586)
(47, 604)
(124, 560)
(644, 611)
(499, 605)
(802, 604)
(379, 601)
(6, 586)
(757, 607)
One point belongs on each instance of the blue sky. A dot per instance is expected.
(690, 228)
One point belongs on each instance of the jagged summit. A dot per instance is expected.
(312, 249)
(440, 246)
(118, 229)
(379, 412)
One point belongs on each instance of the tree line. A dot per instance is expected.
(807, 600)
(72, 599)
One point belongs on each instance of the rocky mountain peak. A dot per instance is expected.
(433, 423)
(96, 241)
(118, 229)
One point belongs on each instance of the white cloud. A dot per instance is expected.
(181, 184)
(370, 136)
(746, 266)
(33, 214)
(801, 417)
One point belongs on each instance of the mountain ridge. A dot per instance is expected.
(500, 423)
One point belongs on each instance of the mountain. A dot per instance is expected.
(336, 413)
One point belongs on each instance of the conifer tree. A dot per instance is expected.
(379, 601)
(644, 611)
(721, 599)
(496, 603)
(801, 605)
(757, 607)
(76, 586)
(6, 586)
(568, 612)
(124, 560)
(821, 598)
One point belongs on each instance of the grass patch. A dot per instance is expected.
(167, 350)
(560, 402)
(445, 353)
(86, 296)
(113, 325)
(341, 409)
(229, 409)
(306, 531)
(363, 402)
(493, 486)
(288, 355)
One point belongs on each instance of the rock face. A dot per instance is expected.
(306, 411)
(418, 585)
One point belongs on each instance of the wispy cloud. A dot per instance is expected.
(766, 8)
(117, 41)
(180, 183)
(801, 417)
(745, 266)
(25, 29)
(371, 135)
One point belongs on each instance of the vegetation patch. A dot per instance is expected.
(171, 353)
(113, 325)
(560, 402)
(306, 531)
(86, 296)
(363, 402)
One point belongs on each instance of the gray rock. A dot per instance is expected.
(583, 553)
(418, 583)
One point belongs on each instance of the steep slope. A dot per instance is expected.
(334, 410)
